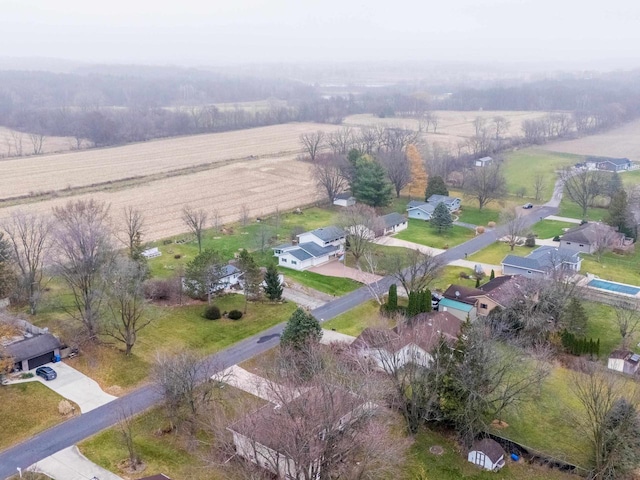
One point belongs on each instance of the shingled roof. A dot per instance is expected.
(490, 448)
(31, 347)
(585, 234)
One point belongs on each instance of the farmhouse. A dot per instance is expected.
(483, 162)
(624, 361)
(392, 349)
(587, 237)
(543, 261)
(255, 440)
(344, 200)
(488, 454)
(314, 248)
(610, 164)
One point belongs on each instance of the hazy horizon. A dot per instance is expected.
(192, 33)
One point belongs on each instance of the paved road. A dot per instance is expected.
(79, 428)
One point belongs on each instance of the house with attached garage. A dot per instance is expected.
(424, 210)
(543, 261)
(610, 164)
(312, 248)
(587, 237)
(32, 351)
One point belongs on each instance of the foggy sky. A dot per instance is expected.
(210, 32)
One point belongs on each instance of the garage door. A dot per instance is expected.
(40, 360)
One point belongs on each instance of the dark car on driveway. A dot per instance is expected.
(47, 373)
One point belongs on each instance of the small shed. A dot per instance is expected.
(344, 200)
(483, 162)
(624, 361)
(488, 454)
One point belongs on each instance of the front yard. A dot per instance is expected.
(354, 321)
(423, 233)
(551, 228)
(495, 253)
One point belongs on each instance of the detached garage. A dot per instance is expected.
(33, 352)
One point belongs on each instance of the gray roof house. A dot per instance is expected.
(585, 238)
(420, 210)
(33, 351)
(452, 203)
(542, 261)
(393, 223)
(314, 248)
(610, 164)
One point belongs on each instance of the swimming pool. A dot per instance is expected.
(614, 287)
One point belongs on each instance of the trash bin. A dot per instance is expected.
(56, 358)
(515, 457)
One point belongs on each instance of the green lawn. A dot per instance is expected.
(451, 275)
(176, 329)
(614, 267)
(354, 321)
(570, 209)
(27, 409)
(521, 167)
(551, 228)
(421, 232)
(453, 464)
(495, 253)
(475, 216)
(337, 286)
(545, 422)
(602, 324)
(630, 179)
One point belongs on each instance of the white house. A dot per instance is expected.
(624, 361)
(394, 223)
(314, 248)
(483, 162)
(230, 276)
(344, 200)
(452, 203)
(487, 454)
(420, 210)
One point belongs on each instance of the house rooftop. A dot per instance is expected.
(31, 347)
(626, 355)
(501, 289)
(436, 199)
(328, 234)
(393, 219)
(447, 302)
(614, 161)
(586, 234)
(462, 294)
(542, 259)
(228, 270)
(344, 196)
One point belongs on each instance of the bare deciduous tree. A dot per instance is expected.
(134, 224)
(196, 222)
(513, 226)
(84, 251)
(628, 320)
(396, 164)
(37, 141)
(603, 239)
(582, 186)
(415, 270)
(485, 184)
(328, 173)
(126, 302)
(30, 239)
(244, 214)
(341, 141)
(312, 143)
(539, 186)
(362, 224)
(125, 426)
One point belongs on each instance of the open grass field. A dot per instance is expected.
(261, 185)
(570, 209)
(521, 167)
(623, 141)
(26, 409)
(76, 169)
(550, 228)
(423, 233)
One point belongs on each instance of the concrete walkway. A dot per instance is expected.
(563, 219)
(486, 267)
(336, 268)
(329, 336)
(256, 385)
(396, 242)
(70, 464)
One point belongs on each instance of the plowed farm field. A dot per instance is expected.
(261, 185)
(49, 173)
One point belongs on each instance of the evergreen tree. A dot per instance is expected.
(441, 218)
(618, 215)
(493, 275)
(477, 282)
(435, 186)
(613, 185)
(272, 286)
(203, 273)
(426, 301)
(392, 300)
(574, 317)
(301, 329)
(370, 184)
(251, 276)
(413, 308)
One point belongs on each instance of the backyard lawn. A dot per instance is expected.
(354, 321)
(176, 329)
(495, 253)
(331, 285)
(550, 228)
(568, 208)
(614, 267)
(26, 409)
(521, 167)
(602, 324)
(423, 233)
(451, 275)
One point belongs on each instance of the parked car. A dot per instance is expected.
(527, 206)
(47, 373)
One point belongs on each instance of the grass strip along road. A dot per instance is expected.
(76, 429)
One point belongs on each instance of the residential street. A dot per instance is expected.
(75, 430)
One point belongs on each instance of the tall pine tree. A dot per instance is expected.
(619, 215)
(441, 218)
(272, 286)
(370, 184)
(435, 186)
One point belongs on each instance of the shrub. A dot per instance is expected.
(556, 238)
(530, 241)
(167, 242)
(26, 375)
(235, 315)
(479, 230)
(177, 256)
(65, 408)
(212, 312)
(491, 224)
(161, 289)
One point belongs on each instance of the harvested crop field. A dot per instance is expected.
(453, 126)
(261, 185)
(46, 173)
(9, 139)
(623, 141)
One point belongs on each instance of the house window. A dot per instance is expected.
(568, 243)
(484, 306)
(283, 260)
(293, 262)
(581, 245)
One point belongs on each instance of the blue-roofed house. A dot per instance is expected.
(542, 261)
(452, 203)
(393, 223)
(423, 210)
(314, 248)
(230, 276)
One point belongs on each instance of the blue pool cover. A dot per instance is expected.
(614, 287)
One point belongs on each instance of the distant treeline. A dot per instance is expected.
(115, 105)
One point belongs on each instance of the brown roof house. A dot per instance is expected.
(32, 351)
(288, 455)
(624, 361)
(487, 454)
(586, 238)
(390, 350)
